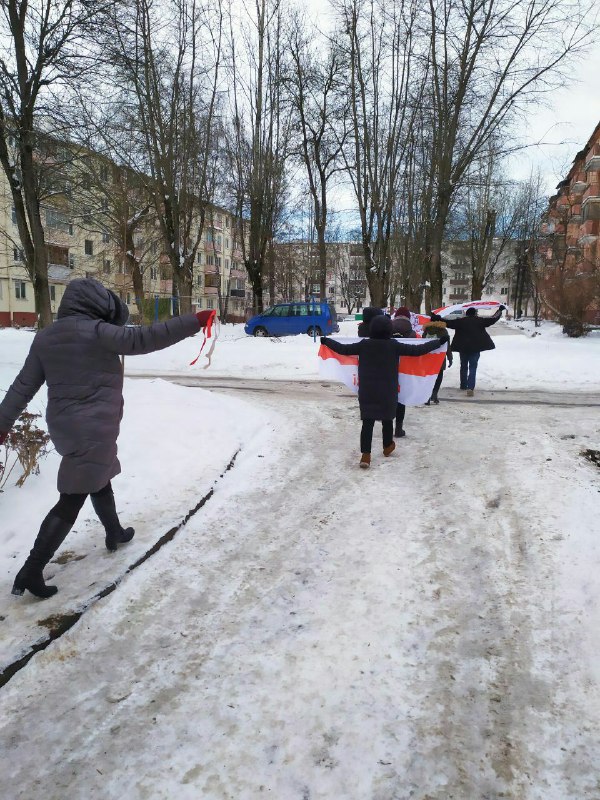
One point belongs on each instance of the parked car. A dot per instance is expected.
(287, 319)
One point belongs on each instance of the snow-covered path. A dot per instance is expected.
(425, 630)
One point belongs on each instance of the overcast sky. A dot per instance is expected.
(556, 132)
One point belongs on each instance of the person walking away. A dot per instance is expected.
(378, 379)
(437, 329)
(470, 340)
(402, 329)
(78, 357)
(369, 313)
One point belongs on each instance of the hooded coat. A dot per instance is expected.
(78, 357)
(369, 314)
(471, 335)
(378, 367)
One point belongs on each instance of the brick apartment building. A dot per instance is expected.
(568, 254)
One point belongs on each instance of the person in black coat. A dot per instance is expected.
(470, 339)
(369, 313)
(78, 357)
(437, 329)
(378, 379)
(401, 329)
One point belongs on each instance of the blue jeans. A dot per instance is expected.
(468, 369)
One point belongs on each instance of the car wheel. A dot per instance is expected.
(260, 331)
(314, 331)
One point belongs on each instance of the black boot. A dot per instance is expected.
(434, 399)
(53, 532)
(104, 505)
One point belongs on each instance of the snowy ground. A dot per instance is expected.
(426, 630)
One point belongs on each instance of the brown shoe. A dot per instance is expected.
(470, 392)
(365, 461)
(387, 451)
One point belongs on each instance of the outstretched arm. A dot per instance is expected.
(450, 323)
(23, 389)
(420, 349)
(343, 349)
(148, 338)
(487, 321)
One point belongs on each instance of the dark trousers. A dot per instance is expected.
(400, 412)
(437, 384)
(468, 369)
(69, 505)
(366, 434)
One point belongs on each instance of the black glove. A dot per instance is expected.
(322, 340)
(502, 308)
(449, 358)
(435, 317)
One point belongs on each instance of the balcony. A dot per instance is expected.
(592, 159)
(580, 184)
(591, 208)
(237, 273)
(237, 293)
(589, 232)
(458, 297)
(460, 282)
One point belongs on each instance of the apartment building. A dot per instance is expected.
(346, 284)
(569, 253)
(89, 233)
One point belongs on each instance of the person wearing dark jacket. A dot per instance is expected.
(437, 329)
(78, 357)
(401, 329)
(378, 379)
(470, 340)
(369, 313)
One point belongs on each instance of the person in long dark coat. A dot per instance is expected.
(470, 340)
(402, 329)
(78, 357)
(378, 379)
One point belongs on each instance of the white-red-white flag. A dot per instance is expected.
(416, 374)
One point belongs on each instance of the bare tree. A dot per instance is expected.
(385, 85)
(490, 60)
(167, 61)
(45, 46)
(257, 140)
(314, 83)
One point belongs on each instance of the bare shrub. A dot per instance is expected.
(25, 444)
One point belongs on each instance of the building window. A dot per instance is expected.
(14, 215)
(104, 173)
(128, 301)
(20, 290)
(154, 247)
(89, 247)
(52, 293)
(18, 254)
(56, 219)
(106, 238)
(106, 267)
(209, 302)
(211, 280)
(71, 261)
(210, 261)
(227, 243)
(153, 274)
(199, 302)
(504, 290)
(199, 258)
(71, 228)
(218, 262)
(199, 280)
(226, 222)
